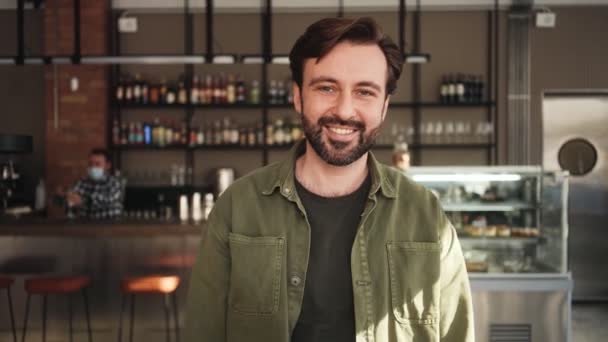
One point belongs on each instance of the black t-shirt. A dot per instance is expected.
(328, 313)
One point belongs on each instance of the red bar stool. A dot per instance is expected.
(6, 283)
(158, 285)
(57, 285)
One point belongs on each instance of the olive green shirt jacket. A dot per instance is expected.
(408, 272)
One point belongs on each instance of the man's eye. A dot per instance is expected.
(326, 89)
(366, 93)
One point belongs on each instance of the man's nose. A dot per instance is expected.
(345, 108)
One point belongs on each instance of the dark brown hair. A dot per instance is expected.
(100, 152)
(325, 34)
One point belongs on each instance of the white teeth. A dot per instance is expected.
(342, 131)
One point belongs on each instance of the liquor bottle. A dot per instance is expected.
(131, 136)
(162, 141)
(451, 89)
(124, 133)
(272, 92)
(154, 94)
(243, 136)
(145, 92)
(184, 133)
(194, 90)
(460, 90)
(251, 136)
(226, 131)
(137, 89)
(443, 90)
(120, 91)
(217, 132)
(115, 132)
(208, 90)
(270, 134)
(128, 91)
(223, 89)
(281, 93)
(200, 136)
(209, 135)
(216, 92)
(140, 133)
(259, 134)
(231, 90)
(147, 134)
(171, 96)
(182, 94)
(240, 90)
(289, 90)
(234, 134)
(163, 91)
(254, 92)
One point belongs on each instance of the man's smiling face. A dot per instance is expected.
(343, 101)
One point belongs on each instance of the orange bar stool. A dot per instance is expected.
(158, 285)
(6, 283)
(57, 285)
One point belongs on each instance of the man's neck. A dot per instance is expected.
(326, 180)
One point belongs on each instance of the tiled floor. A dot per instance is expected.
(590, 322)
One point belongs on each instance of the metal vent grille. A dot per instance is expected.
(510, 333)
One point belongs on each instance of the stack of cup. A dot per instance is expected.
(196, 207)
(183, 208)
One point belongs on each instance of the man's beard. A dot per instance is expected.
(338, 153)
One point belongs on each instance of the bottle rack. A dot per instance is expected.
(418, 105)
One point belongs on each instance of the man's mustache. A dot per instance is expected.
(332, 120)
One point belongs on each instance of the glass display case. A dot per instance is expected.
(512, 224)
(509, 219)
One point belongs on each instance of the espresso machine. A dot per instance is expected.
(11, 145)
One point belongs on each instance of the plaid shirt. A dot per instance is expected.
(100, 199)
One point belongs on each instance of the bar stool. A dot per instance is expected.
(57, 285)
(158, 285)
(6, 283)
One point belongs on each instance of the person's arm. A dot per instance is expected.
(111, 195)
(456, 316)
(209, 282)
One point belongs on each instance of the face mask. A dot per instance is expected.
(96, 173)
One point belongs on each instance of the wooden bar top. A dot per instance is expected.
(82, 228)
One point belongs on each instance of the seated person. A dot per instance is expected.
(99, 195)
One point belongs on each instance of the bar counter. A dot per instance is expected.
(105, 251)
(82, 228)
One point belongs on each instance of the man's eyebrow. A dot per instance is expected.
(321, 79)
(373, 85)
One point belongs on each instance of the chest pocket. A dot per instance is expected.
(255, 275)
(414, 275)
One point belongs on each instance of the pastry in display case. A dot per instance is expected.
(498, 214)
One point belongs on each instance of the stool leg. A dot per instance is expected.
(122, 311)
(70, 317)
(175, 316)
(131, 318)
(27, 313)
(167, 326)
(10, 309)
(87, 314)
(44, 297)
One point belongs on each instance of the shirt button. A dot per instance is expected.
(295, 281)
(287, 190)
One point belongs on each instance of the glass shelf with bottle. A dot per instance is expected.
(219, 90)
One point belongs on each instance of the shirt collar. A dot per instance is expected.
(284, 179)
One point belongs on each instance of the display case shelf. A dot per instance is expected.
(483, 206)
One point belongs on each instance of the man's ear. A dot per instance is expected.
(385, 107)
(297, 98)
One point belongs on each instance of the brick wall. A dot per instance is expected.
(80, 121)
